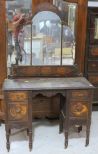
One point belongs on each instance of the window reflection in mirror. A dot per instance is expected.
(96, 29)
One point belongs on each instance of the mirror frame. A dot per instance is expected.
(53, 9)
(81, 21)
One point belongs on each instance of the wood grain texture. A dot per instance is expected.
(2, 51)
(91, 58)
(35, 3)
(81, 22)
(80, 38)
(81, 33)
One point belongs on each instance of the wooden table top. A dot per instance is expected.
(47, 84)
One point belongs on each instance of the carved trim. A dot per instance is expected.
(46, 7)
(48, 94)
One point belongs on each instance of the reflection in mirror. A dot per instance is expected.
(16, 14)
(68, 14)
(45, 39)
(96, 29)
(55, 35)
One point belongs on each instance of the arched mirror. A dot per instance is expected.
(46, 37)
(46, 42)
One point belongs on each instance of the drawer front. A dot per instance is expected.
(93, 66)
(18, 112)
(79, 109)
(79, 95)
(93, 78)
(93, 51)
(17, 96)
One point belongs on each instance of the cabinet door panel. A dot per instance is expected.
(79, 109)
(18, 112)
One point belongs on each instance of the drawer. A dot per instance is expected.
(17, 112)
(79, 108)
(93, 51)
(17, 96)
(79, 95)
(93, 66)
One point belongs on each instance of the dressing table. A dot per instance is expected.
(76, 108)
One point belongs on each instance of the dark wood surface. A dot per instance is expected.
(46, 84)
(80, 39)
(91, 58)
(44, 71)
(43, 107)
(75, 103)
(2, 52)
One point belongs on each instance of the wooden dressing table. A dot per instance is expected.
(76, 105)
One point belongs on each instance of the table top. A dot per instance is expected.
(47, 84)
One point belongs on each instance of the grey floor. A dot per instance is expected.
(47, 139)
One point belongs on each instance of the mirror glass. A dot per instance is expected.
(16, 11)
(96, 29)
(68, 13)
(45, 39)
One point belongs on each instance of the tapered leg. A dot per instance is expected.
(87, 133)
(7, 140)
(60, 124)
(66, 118)
(62, 116)
(30, 139)
(66, 128)
(66, 138)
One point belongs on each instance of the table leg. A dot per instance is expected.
(60, 123)
(30, 139)
(87, 133)
(66, 119)
(7, 139)
(62, 116)
(66, 134)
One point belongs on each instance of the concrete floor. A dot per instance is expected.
(47, 139)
